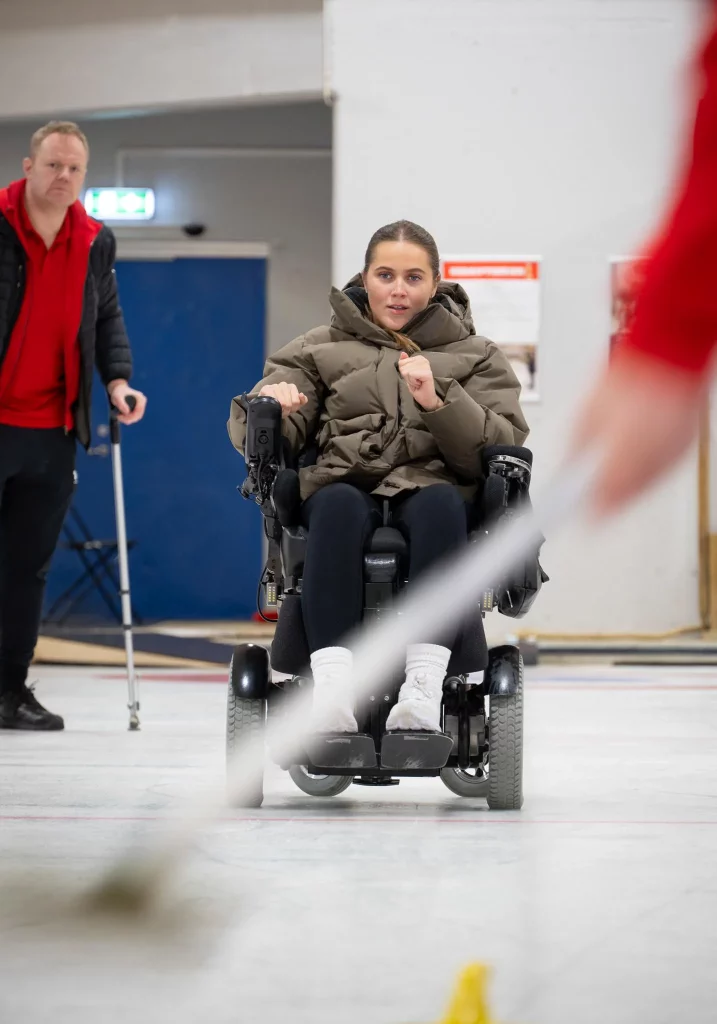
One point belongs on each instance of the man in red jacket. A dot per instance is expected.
(644, 412)
(59, 319)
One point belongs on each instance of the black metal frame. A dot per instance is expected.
(96, 557)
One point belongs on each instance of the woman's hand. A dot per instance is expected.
(287, 395)
(417, 373)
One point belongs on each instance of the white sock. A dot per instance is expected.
(333, 705)
(419, 701)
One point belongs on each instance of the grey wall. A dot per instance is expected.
(285, 203)
(80, 55)
(531, 126)
(538, 126)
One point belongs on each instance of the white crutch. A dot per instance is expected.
(122, 552)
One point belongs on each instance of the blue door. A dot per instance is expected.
(197, 333)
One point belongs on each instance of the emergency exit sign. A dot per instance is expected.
(120, 203)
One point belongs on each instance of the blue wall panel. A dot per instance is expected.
(197, 332)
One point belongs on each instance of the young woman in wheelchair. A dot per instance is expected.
(400, 396)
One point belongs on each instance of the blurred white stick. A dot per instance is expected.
(443, 599)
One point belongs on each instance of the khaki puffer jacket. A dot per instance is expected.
(369, 430)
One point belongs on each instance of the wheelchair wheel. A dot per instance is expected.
(505, 741)
(468, 783)
(246, 717)
(319, 785)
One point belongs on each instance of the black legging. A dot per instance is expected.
(340, 519)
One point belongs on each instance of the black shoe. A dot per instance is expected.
(20, 709)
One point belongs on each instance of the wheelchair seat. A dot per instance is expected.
(387, 540)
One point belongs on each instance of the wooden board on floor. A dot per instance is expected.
(162, 645)
(55, 651)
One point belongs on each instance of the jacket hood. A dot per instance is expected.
(447, 317)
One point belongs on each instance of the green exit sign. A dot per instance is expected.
(120, 203)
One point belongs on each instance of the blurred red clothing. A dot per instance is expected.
(676, 308)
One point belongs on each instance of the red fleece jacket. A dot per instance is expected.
(40, 374)
(675, 317)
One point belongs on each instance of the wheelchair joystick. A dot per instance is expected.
(263, 453)
(262, 447)
(263, 430)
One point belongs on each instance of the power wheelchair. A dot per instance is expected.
(480, 753)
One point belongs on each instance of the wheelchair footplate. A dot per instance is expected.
(404, 751)
(342, 750)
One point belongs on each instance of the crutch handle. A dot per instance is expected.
(131, 403)
(114, 422)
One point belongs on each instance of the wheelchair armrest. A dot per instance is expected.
(508, 469)
(495, 454)
(286, 496)
(506, 493)
(491, 450)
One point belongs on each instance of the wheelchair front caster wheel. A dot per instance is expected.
(133, 722)
(319, 785)
(468, 783)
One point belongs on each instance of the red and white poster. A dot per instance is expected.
(504, 293)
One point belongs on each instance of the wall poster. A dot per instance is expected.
(504, 293)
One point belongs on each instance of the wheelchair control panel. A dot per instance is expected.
(262, 448)
(263, 454)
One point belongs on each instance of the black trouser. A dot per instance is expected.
(36, 484)
(340, 519)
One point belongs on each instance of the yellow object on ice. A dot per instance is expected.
(470, 999)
